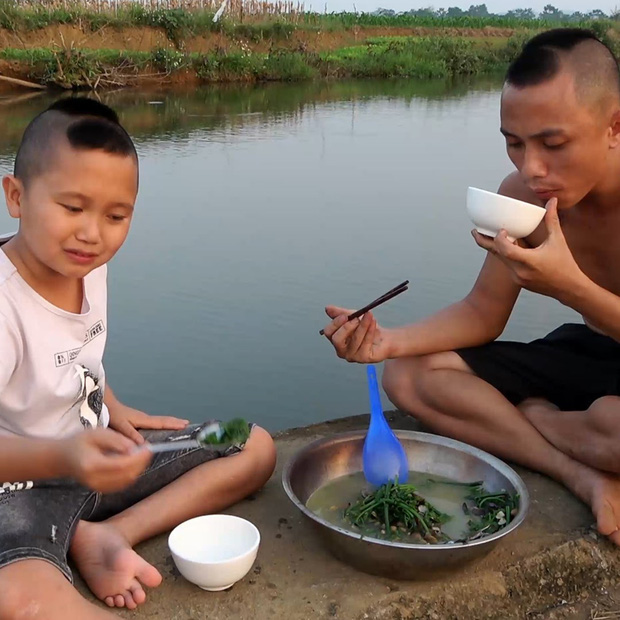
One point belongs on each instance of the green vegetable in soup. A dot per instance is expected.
(396, 510)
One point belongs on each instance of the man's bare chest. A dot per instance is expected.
(596, 249)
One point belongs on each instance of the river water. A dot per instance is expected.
(258, 206)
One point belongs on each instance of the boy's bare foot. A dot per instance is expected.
(113, 571)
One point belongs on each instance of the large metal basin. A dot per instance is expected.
(326, 459)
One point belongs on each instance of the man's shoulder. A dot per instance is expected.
(513, 186)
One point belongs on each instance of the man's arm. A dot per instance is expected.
(549, 268)
(477, 319)
(598, 306)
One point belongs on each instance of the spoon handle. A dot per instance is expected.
(172, 446)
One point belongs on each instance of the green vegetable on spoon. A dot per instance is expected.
(235, 431)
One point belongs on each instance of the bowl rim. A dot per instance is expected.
(234, 558)
(498, 464)
(505, 198)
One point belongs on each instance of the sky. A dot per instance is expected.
(494, 6)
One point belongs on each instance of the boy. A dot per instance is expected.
(84, 489)
(560, 115)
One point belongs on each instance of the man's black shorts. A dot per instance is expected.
(570, 367)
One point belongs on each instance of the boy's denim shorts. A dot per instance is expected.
(37, 520)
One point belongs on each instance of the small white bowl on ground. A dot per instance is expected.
(214, 551)
(491, 212)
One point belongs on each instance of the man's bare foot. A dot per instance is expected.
(536, 405)
(554, 425)
(113, 571)
(601, 492)
(590, 437)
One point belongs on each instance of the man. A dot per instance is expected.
(551, 405)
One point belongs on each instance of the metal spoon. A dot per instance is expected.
(200, 441)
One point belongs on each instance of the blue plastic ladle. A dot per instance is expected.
(384, 457)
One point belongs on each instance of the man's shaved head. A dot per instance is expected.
(81, 123)
(578, 51)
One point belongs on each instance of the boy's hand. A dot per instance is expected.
(359, 340)
(103, 460)
(127, 420)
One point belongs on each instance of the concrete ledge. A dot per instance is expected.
(554, 566)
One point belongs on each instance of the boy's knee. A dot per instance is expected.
(261, 452)
(18, 601)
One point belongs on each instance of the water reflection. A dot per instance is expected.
(259, 205)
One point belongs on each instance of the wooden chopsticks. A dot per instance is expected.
(397, 290)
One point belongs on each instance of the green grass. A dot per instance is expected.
(178, 24)
(420, 58)
(350, 20)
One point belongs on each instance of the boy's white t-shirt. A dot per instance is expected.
(51, 361)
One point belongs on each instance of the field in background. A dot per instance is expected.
(113, 43)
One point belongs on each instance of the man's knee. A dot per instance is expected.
(405, 380)
(604, 414)
(398, 380)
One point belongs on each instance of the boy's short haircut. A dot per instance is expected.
(578, 50)
(86, 124)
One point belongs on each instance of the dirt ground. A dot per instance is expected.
(553, 567)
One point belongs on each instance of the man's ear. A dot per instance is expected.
(614, 130)
(13, 192)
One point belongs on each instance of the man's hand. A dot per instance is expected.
(102, 459)
(359, 340)
(127, 420)
(549, 269)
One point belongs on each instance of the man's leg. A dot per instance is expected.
(591, 437)
(103, 551)
(37, 590)
(442, 392)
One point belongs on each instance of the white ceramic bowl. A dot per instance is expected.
(214, 551)
(491, 212)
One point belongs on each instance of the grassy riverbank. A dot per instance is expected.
(405, 57)
(78, 46)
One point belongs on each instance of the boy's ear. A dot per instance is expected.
(614, 130)
(13, 192)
